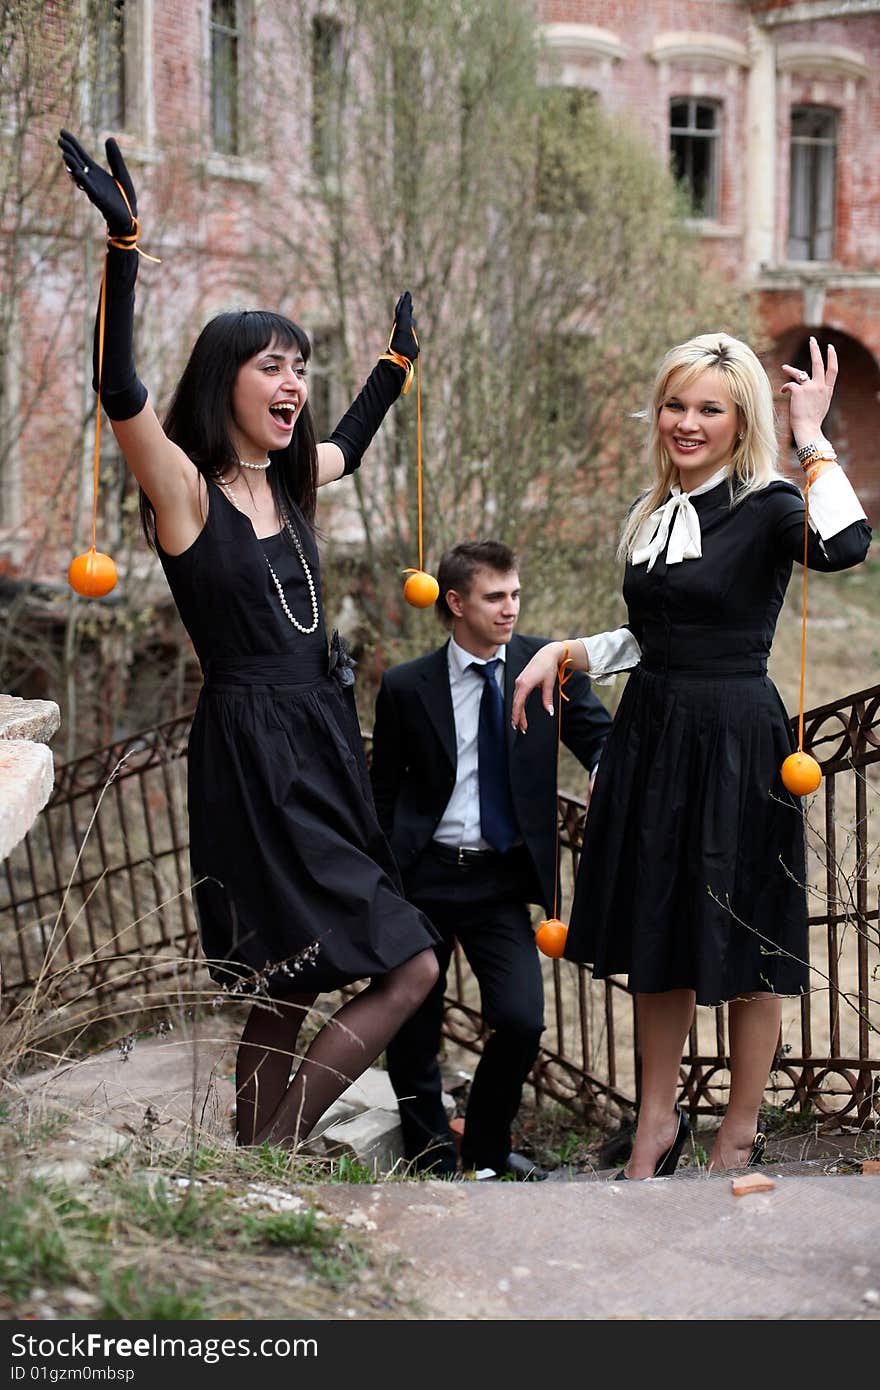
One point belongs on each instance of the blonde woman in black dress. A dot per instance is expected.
(295, 886)
(692, 877)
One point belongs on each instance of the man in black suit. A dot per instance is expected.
(469, 807)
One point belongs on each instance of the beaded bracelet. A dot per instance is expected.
(817, 448)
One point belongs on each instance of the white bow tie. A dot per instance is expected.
(676, 522)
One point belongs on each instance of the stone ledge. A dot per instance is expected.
(27, 776)
(34, 719)
(364, 1124)
(27, 770)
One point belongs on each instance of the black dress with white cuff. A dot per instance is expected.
(692, 872)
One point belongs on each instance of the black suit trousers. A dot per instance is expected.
(482, 903)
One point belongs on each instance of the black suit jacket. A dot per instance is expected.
(414, 754)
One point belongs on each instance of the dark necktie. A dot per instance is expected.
(497, 819)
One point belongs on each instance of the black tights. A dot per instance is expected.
(271, 1107)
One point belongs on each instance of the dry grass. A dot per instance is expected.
(184, 1230)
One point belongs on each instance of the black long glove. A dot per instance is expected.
(380, 390)
(123, 394)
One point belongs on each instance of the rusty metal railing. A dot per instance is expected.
(95, 901)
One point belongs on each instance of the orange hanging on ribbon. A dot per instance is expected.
(551, 935)
(800, 772)
(421, 590)
(93, 574)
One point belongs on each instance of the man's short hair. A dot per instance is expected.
(459, 565)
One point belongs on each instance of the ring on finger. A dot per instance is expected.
(803, 376)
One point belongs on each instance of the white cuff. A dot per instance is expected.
(610, 652)
(833, 503)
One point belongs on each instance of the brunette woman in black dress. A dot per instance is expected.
(692, 875)
(295, 886)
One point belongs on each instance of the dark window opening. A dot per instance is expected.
(109, 89)
(326, 93)
(812, 183)
(225, 60)
(694, 130)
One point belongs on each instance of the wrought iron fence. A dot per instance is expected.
(96, 902)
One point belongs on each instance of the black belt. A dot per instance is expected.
(461, 855)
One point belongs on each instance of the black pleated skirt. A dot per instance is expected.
(692, 873)
(295, 885)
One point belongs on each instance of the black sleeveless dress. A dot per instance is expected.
(295, 887)
(692, 871)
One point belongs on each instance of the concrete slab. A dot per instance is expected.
(166, 1084)
(576, 1247)
(667, 1249)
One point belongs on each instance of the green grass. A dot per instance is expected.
(346, 1169)
(36, 1222)
(780, 1121)
(267, 1163)
(106, 1237)
(290, 1230)
(556, 1137)
(127, 1296)
(196, 1214)
(340, 1267)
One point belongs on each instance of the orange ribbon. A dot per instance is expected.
(391, 356)
(399, 360)
(821, 466)
(564, 676)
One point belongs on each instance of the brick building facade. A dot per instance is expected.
(769, 113)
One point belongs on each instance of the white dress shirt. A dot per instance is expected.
(460, 823)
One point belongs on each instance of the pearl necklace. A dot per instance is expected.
(289, 527)
(258, 467)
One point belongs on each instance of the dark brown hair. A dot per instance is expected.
(199, 417)
(459, 565)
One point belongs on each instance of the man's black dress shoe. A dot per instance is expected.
(438, 1162)
(518, 1168)
(667, 1162)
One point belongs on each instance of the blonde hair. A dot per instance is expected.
(754, 455)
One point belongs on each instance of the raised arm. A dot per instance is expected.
(343, 451)
(164, 472)
(839, 534)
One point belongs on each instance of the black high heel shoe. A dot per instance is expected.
(668, 1162)
(759, 1144)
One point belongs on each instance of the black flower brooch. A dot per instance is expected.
(342, 663)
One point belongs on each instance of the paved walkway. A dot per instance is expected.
(576, 1247)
